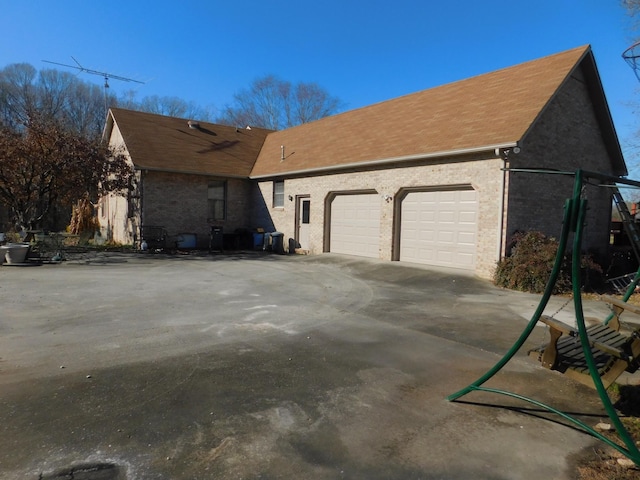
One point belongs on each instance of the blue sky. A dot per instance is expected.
(362, 52)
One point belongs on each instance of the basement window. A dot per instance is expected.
(278, 194)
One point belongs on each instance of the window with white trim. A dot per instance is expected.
(278, 194)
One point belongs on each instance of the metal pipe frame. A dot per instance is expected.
(573, 222)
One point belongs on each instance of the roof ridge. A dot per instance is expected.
(169, 118)
(492, 108)
(584, 48)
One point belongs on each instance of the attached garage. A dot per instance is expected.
(421, 178)
(439, 227)
(355, 224)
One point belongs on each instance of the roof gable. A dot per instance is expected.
(493, 110)
(157, 142)
(486, 111)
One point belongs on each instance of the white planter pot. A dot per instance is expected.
(15, 252)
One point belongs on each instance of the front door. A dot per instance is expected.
(304, 215)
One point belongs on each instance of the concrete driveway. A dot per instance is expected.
(254, 366)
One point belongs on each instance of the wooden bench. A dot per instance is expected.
(613, 352)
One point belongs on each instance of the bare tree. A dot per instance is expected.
(85, 112)
(45, 165)
(17, 93)
(51, 94)
(164, 105)
(51, 154)
(632, 145)
(632, 6)
(272, 103)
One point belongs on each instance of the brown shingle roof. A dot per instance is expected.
(489, 110)
(157, 142)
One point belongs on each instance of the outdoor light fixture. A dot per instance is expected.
(505, 152)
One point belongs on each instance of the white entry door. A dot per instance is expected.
(304, 216)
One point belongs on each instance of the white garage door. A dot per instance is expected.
(355, 225)
(439, 228)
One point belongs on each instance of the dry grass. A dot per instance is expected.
(607, 468)
(604, 465)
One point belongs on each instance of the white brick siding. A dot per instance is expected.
(483, 175)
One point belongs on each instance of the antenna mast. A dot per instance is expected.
(105, 75)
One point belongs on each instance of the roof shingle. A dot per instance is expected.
(491, 109)
(157, 142)
(486, 111)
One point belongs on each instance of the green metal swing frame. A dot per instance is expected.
(573, 222)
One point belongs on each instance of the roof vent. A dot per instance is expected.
(193, 124)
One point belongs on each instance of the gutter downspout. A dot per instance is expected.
(504, 154)
(503, 201)
(141, 188)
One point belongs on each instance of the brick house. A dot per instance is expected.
(422, 178)
(189, 176)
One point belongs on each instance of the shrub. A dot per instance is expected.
(528, 266)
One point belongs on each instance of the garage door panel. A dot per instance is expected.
(467, 217)
(467, 238)
(355, 225)
(439, 228)
(411, 234)
(429, 236)
(412, 216)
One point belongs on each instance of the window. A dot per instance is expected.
(217, 201)
(278, 193)
(306, 211)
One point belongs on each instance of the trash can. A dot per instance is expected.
(258, 241)
(277, 239)
(216, 239)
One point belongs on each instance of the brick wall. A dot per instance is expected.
(178, 202)
(484, 175)
(566, 137)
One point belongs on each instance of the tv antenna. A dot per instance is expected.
(105, 75)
